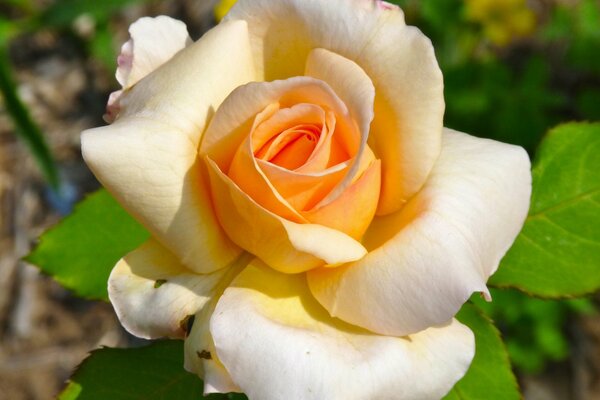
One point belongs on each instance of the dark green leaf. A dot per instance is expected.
(490, 375)
(82, 249)
(152, 372)
(558, 251)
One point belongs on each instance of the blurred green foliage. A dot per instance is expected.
(533, 328)
(83, 20)
(514, 93)
(25, 126)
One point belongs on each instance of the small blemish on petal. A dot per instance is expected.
(204, 354)
(159, 282)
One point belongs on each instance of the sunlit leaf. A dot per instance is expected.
(558, 251)
(490, 375)
(83, 248)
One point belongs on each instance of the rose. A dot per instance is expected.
(314, 227)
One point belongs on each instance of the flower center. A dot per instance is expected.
(291, 148)
(303, 138)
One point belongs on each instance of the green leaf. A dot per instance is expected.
(152, 372)
(558, 251)
(83, 248)
(490, 375)
(26, 128)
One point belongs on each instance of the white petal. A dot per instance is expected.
(426, 260)
(201, 356)
(153, 42)
(278, 343)
(113, 107)
(148, 158)
(409, 104)
(153, 294)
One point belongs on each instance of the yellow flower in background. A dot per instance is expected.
(502, 20)
(222, 8)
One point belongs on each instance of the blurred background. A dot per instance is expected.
(512, 70)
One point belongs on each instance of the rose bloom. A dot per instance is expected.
(314, 226)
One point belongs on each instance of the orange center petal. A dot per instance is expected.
(296, 160)
(295, 148)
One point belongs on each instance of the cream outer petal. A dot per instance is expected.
(399, 59)
(277, 343)
(153, 42)
(200, 356)
(426, 260)
(152, 293)
(148, 158)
